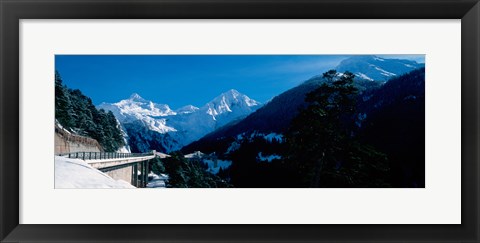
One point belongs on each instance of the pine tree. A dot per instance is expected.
(185, 173)
(76, 112)
(322, 148)
(63, 106)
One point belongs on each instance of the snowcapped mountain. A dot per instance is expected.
(156, 126)
(276, 115)
(229, 106)
(373, 68)
(137, 109)
(186, 109)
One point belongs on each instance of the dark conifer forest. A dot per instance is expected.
(186, 173)
(343, 136)
(76, 113)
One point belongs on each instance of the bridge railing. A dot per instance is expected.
(103, 155)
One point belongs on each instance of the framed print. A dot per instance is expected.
(239, 121)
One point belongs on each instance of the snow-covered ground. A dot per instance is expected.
(267, 158)
(75, 173)
(196, 154)
(214, 166)
(162, 155)
(274, 136)
(157, 181)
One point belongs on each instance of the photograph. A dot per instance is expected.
(239, 121)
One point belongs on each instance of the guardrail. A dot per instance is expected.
(103, 155)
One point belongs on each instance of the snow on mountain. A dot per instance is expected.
(136, 105)
(228, 106)
(183, 125)
(137, 109)
(275, 116)
(223, 109)
(373, 68)
(186, 109)
(125, 148)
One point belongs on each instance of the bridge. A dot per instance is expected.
(124, 166)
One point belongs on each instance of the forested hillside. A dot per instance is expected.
(340, 137)
(76, 113)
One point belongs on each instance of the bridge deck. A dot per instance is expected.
(132, 167)
(103, 160)
(105, 163)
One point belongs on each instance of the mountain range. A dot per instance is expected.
(276, 115)
(156, 126)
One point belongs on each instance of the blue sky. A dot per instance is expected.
(179, 80)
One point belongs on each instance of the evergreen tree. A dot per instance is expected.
(185, 173)
(322, 148)
(248, 171)
(76, 113)
(156, 166)
(63, 106)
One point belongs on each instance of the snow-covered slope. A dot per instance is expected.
(186, 109)
(156, 126)
(125, 148)
(373, 68)
(135, 109)
(75, 173)
(221, 110)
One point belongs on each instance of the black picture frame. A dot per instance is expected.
(13, 10)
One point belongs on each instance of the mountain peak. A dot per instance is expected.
(374, 68)
(233, 92)
(136, 97)
(156, 126)
(233, 96)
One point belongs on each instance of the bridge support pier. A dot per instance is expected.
(135, 175)
(144, 184)
(140, 180)
(145, 173)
